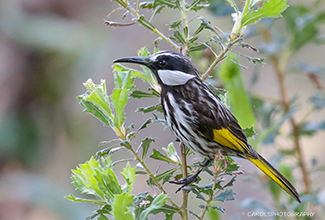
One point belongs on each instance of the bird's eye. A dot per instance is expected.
(161, 63)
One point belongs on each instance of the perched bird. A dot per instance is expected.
(197, 116)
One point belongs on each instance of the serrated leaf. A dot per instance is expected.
(91, 178)
(95, 101)
(129, 176)
(122, 3)
(126, 144)
(179, 37)
(99, 213)
(302, 22)
(156, 204)
(196, 192)
(310, 128)
(213, 214)
(145, 144)
(198, 47)
(255, 60)
(197, 5)
(165, 176)
(121, 94)
(171, 152)
(194, 214)
(77, 199)
(168, 3)
(150, 108)
(318, 100)
(271, 8)
(158, 156)
(145, 124)
(139, 94)
(108, 150)
(176, 24)
(120, 206)
(232, 167)
(102, 217)
(144, 22)
(249, 132)
(230, 183)
(225, 196)
(206, 189)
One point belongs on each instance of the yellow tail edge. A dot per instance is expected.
(276, 176)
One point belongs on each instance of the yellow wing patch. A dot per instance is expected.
(226, 138)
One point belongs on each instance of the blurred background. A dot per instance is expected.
(48, 48)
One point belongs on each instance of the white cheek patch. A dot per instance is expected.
(174, 77)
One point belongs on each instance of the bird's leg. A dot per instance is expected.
(191, 179)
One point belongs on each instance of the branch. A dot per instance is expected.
(220, 57)
(183, 208)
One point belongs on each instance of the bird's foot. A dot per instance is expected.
(186, 181)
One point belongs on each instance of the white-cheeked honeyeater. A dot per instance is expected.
(197, 116)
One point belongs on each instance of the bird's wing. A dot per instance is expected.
(218, 124)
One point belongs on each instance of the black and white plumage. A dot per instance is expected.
(197, 116)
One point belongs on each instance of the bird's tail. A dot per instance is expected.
(276, 176)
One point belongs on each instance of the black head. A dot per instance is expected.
(170, 68)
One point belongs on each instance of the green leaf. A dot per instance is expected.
(233, 5)
(95, 101)
(206, 189)
(102, 217)
(230, 183)
(99, 213)
(122, 3)
(176, 24)
(226, 195)
(303, 23)
(144, 22)
(230, 76)
(121, 95)
(150, 108)
(271, 8)
(77, 199)
(165, 176)
(195, 191)
(310, 128)
(318, 100)
(120, 206)
(194, 214)
(196, 5)
(139, 94)
(108, 150)
(171, 152)
(93, 179)
(168, 3)
(179, 37)
(145, 144)
(158, 156)
(198, 47)
(156, 204)
(212, 211)
(249, 132)
(129, 176)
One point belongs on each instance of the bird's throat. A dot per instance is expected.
(174, 77)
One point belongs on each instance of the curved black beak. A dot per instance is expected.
(139, 60)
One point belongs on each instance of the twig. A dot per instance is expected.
(220, 57)
(294, 125)
(183, 208)
(153, 177)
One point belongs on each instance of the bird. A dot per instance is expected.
(198, 117)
